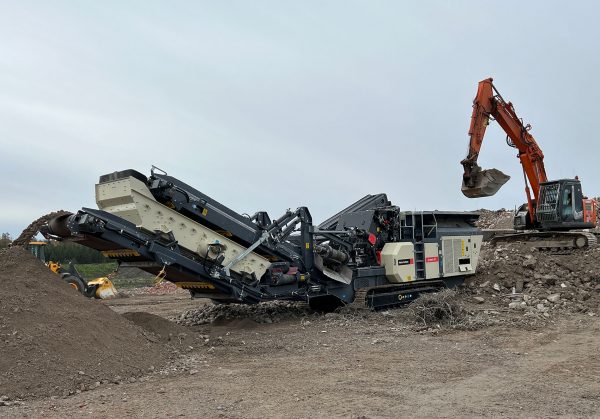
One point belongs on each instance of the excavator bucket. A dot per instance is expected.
(483, 183)
(106, 288)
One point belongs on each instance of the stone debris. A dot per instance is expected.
(521, 277)
(553, 298)
(268, 312)
(500, 219)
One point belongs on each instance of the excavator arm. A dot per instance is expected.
(481, 183)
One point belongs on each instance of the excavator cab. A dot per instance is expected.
(562, 206)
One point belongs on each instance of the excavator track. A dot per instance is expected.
(33, 228)
(550, 240)
(394, 295)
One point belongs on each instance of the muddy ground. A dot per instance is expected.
(354, 365)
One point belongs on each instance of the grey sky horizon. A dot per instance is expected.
(269, 105)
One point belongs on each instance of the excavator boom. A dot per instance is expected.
(477, 183)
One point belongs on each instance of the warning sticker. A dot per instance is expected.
(432, 259)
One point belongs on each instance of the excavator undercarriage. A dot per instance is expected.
(547, 240)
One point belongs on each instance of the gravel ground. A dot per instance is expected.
(519, 339)
(356, 364)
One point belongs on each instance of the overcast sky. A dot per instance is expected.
(275, 104)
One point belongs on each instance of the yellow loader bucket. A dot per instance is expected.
(483, 183)
(105, 289)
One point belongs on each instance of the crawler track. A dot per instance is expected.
(388, 296)
(550, 240)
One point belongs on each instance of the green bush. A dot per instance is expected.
(95, 270)
(65, 252)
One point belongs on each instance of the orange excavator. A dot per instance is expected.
(553, 206)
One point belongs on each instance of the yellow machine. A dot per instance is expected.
(101, 288)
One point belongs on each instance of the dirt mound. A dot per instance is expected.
(163, 329)
(53, 340)
(522, 278)
(500, 219)
(269, 312)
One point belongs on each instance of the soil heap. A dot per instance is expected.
(53, 340)
(163, 330)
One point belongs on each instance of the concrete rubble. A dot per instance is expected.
(521, 277)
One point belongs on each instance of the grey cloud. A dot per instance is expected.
(270, 105)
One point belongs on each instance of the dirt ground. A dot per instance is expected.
(353, 365)
(168, 305)
(522, 341)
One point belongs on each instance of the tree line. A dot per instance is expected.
(63, 252)
(5, 240)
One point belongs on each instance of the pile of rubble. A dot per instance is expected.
(522, 278)
(268, 312)
(165, 287)
(160, 288)
(500, 219)
(597, 229)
